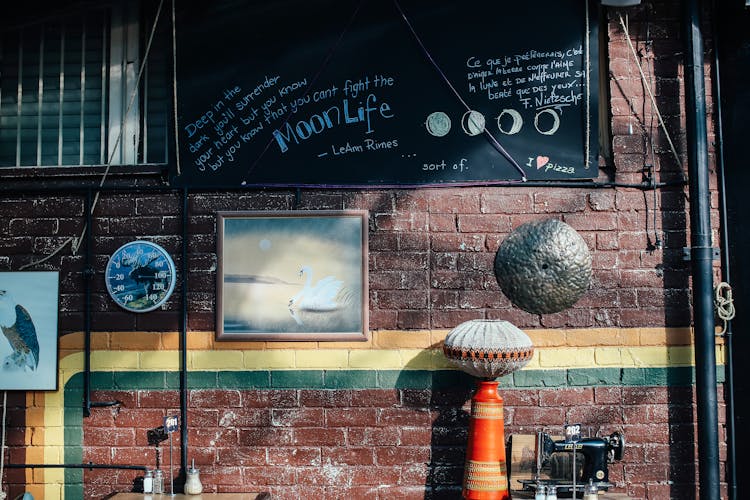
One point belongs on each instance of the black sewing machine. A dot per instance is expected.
(592, 454)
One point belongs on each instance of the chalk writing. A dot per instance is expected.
(275, 110)
(542, 81)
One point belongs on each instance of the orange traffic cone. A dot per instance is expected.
(485, 474)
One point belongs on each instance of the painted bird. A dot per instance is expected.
(18, 328)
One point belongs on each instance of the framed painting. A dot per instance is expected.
(292, 275)
(28, 322)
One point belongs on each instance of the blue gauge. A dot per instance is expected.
(140, 276)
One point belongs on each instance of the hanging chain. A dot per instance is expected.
(724, 304)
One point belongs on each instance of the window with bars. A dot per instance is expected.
(70, 92)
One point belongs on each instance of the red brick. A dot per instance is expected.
(645, 395)
(646, 472)
(203, 417)
(401, 299)
(443, 223)
(567, 202)
(408, 221)
(265, 437)
(533, 416)
(327, 398)
(646, 433)
(566, 397)
(443, 242)
(134, 456)
(348, 456)
(454, 202)
(110, 435)
(399, 261)
(416, 436)
(244, 417)
(213, 437)
(368, 436)
(292, 417)
(158, 399)
(483, 223)
(241, 455)
(375, 475)
(403, 417)
(295, 456)
(269, 398)
(144, 419)
(328, 475)
(311, 436)
(214, 398)
(351, 417)
(381, 398)
(402, 455)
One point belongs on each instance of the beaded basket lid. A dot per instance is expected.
(488, 348)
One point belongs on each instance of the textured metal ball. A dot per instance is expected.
(543, 267)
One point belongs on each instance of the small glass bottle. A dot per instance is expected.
(551, 493)
(158, 481)
(148, 481)
(193, 484)
(541, 492)
(591, 492)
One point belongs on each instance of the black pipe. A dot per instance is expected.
(725, 273)
(701, 256)
(88, 275)
(644, 186)
(183, 338)
(76, 466)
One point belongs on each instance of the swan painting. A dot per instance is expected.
(293, 276)
(327, 295)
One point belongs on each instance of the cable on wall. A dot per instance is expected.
(648, 89)
(2, 444)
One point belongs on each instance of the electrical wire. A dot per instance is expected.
(447, 81)
(648, 89)
(2, 444)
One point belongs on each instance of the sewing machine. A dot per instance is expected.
(592, 454)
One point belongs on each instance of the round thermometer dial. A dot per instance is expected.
(140, 276)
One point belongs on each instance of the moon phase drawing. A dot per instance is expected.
(473, 122)
(517, 122)
(555, 122)
(438, 124)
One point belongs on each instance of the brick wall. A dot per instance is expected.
(431, 255)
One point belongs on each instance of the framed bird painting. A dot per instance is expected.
(292, 275)
(28, 323)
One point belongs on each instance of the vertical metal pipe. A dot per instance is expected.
(183, 338)
(87, 275)
(701, 256)
(728, 334)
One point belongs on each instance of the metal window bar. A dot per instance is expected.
(61, 97)
(103, 119)
(40, 98)
(19, 98)
(82, 97)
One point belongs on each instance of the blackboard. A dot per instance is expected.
(385, 92)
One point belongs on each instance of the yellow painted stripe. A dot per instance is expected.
(380, 339)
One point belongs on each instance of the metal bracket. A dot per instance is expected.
(687, 252)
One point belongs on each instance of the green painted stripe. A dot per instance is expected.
(381, 379)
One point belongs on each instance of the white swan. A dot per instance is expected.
(324, 296)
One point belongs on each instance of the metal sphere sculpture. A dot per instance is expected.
(543, 267)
